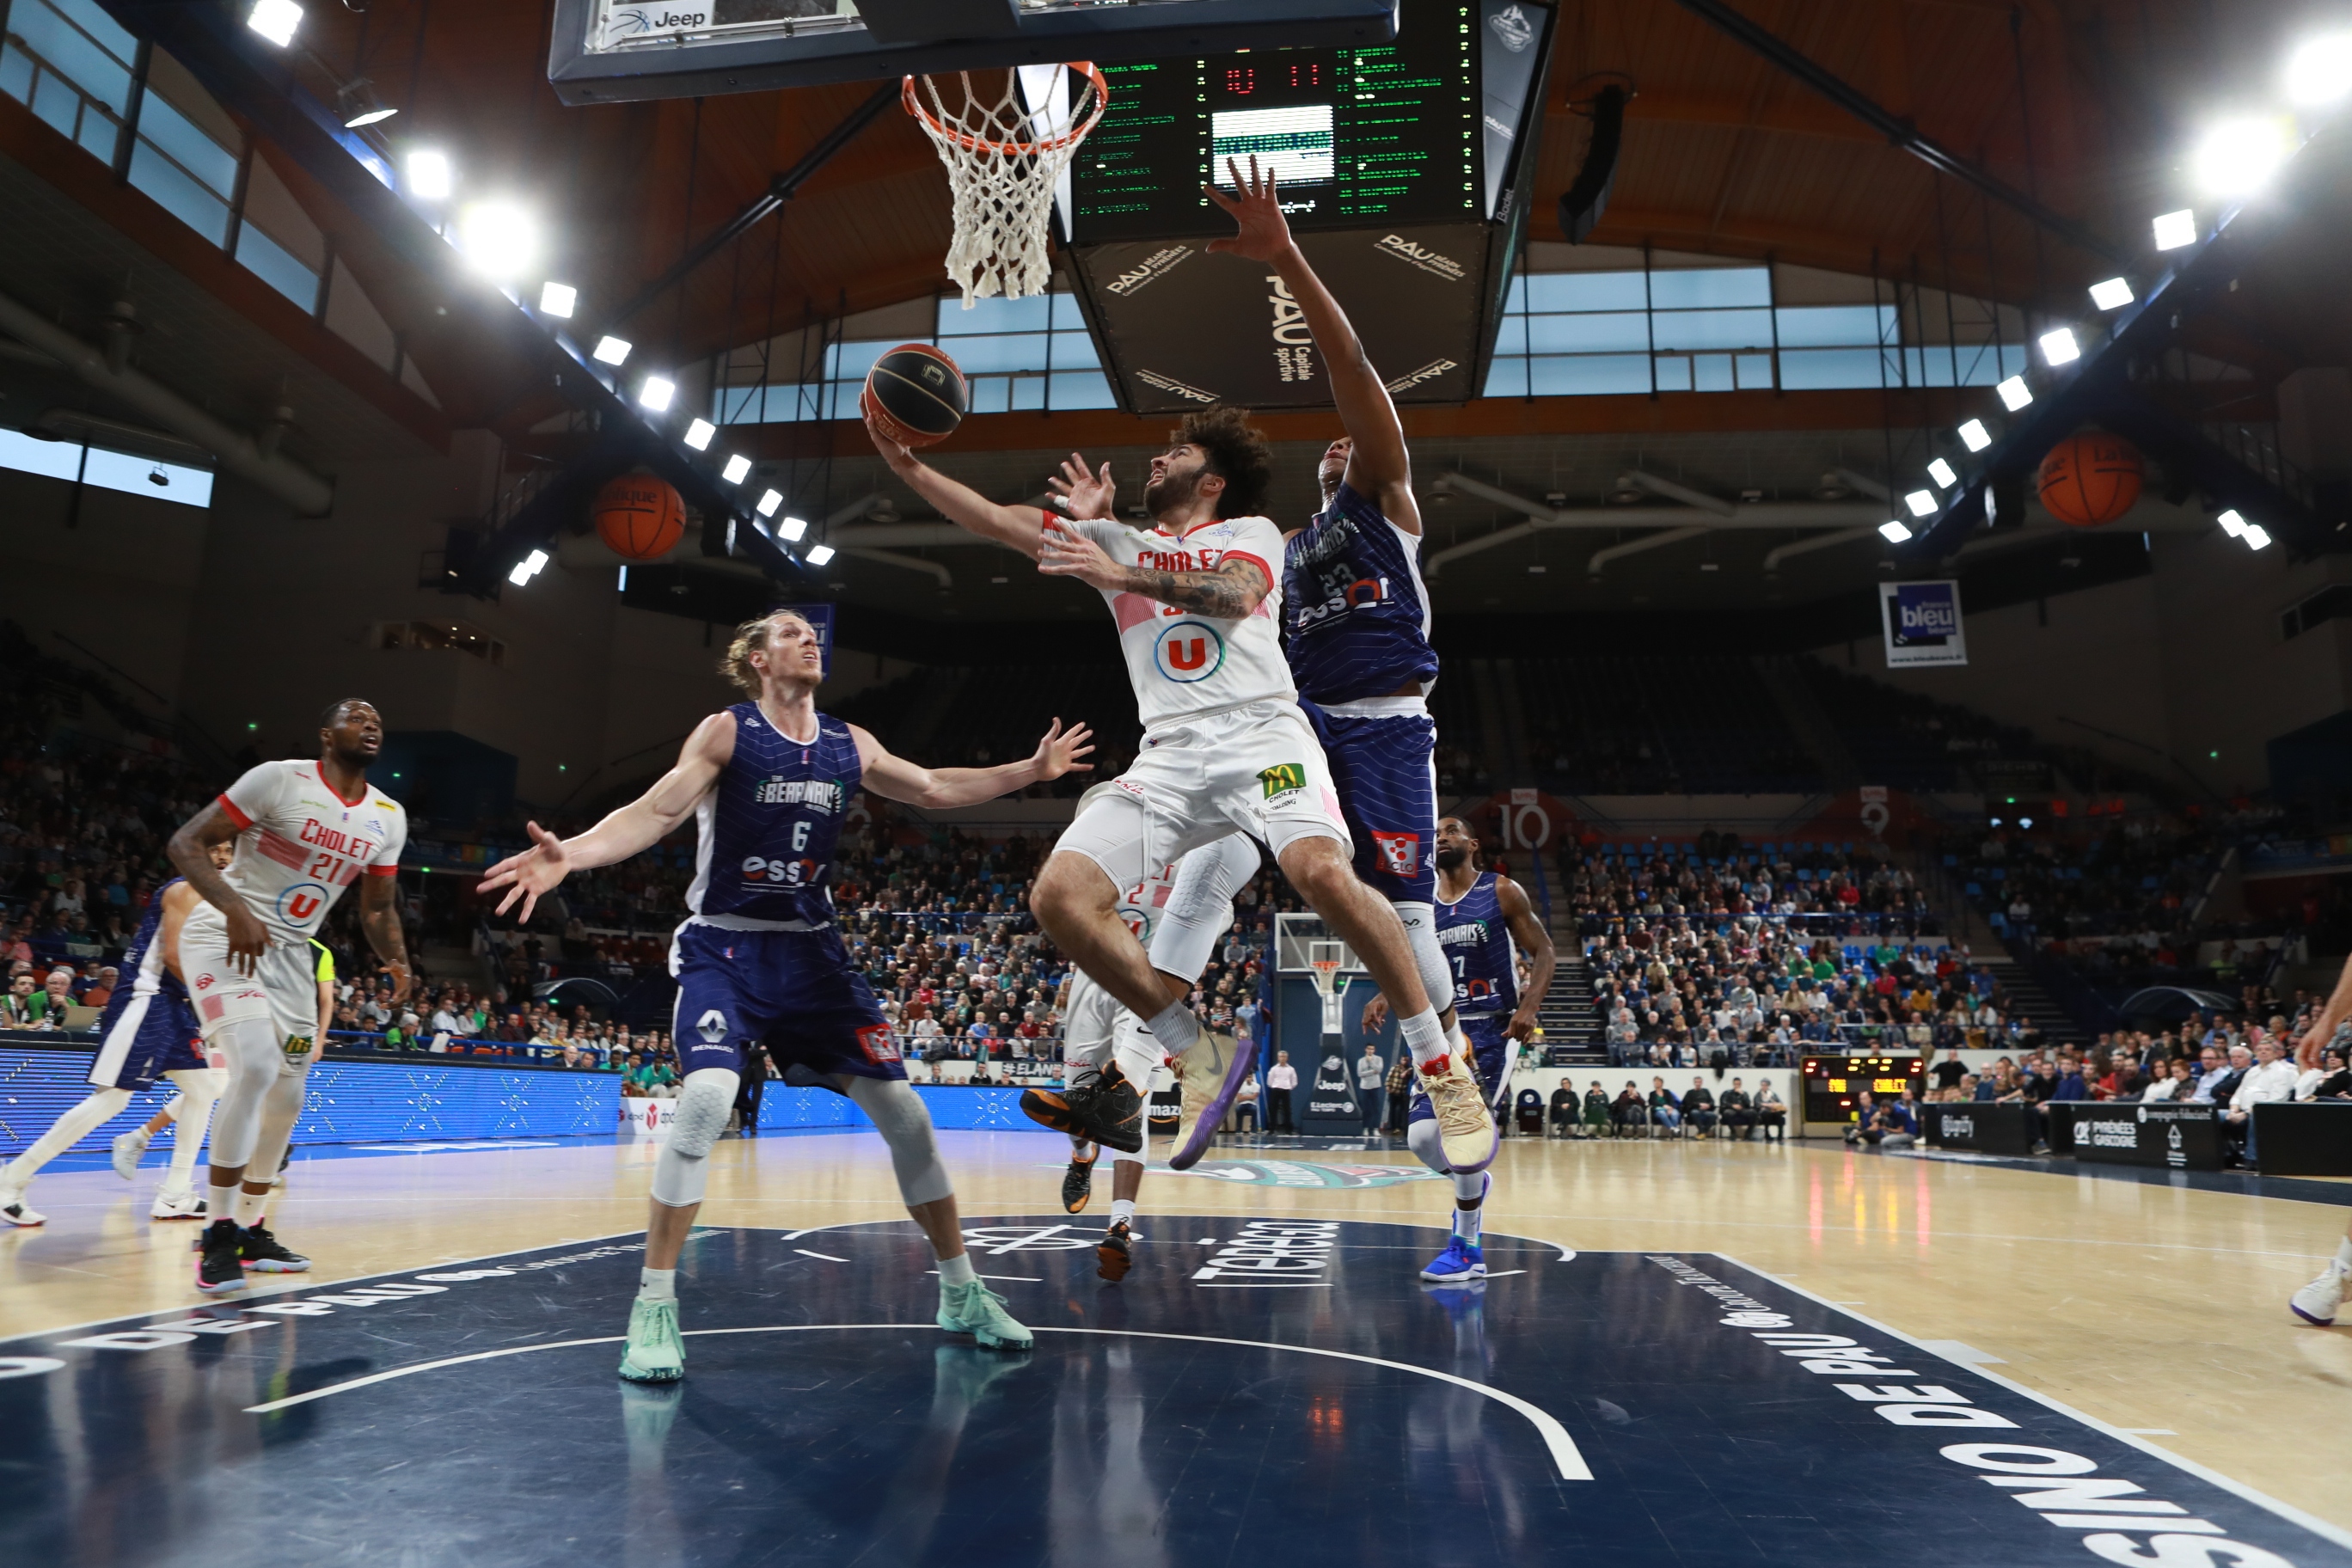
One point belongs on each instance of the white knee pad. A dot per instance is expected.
(1428, 955)
(279, 1109)
(1200, 908)
(1427, 1145)
(251, 1048)
(703, 1105)
(906, 1126)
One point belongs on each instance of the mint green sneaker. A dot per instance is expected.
(654, 1353)
(977, 1311)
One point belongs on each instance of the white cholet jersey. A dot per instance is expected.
(1183, 663)
(299, 843)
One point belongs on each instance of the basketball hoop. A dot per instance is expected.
(1003, 162)
(1325, 959)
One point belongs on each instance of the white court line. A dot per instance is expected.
(1504, 1273)
(828, 1257)
(1565, 1455)
(2285, 1510)
(1018, 1278)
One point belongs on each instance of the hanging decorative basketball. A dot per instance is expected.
(639, 516)
(2091, 477)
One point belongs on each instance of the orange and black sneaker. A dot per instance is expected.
(1078, 1182)
(1113, 1257)
(1102, 1110)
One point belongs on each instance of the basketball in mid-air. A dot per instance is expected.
(915, 394)
(2091, 477)
(639, 516)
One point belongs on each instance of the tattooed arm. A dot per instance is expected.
(1231, 592)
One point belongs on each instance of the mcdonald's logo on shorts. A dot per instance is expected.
(1283, 778)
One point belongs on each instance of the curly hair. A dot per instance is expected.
(1236, 453)
(752, 637)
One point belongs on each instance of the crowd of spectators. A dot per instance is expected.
(1828, 888)
(1732, 1111)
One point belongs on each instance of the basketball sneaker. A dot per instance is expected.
(2317, 1302)
(16, 1211)
(128, 1148)
(264, 1254)
(1079, 1183)
(1104, 1109)
(1114, 1254)
(177, 1203)
(220, 1258)
(1461, 1263)
(1211, 1070)
(977, 1311)
(654, 1352)
(1465, 1127)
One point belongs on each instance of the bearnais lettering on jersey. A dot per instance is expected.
(1470, 933)
(817, 794)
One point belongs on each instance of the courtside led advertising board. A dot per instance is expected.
(1923, 623)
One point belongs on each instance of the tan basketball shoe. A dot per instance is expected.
(1465, 1127)
(1212, 1072)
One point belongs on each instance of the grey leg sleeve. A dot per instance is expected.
(251, 1046)
(905, 1125)
(682, 1167)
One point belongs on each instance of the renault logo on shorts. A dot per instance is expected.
(711, 1026)
(1188, 651)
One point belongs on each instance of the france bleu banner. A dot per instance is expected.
(1923, 623)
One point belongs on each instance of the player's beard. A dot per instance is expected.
(1452, 859)
(1165, 494)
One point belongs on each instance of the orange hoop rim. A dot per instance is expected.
(913, 103)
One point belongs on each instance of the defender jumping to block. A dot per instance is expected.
(758, 963)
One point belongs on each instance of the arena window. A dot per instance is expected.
(107, 470)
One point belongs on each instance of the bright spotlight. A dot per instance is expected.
(1942, 473)
(611, 350)
(2174, 230)
(738, 469)
(2112, 295)
(698, 434)
(657, 392)
(1975, 437)
(2320, 72)
(498, 239)
(1894, 531)
(791, 528)
(2233, 524)
(2257, 536)
(2025, 822)
(275, 20)
(2237, 157)
(769, 502)
(527, 568)
(820, 555)
(2060, 348)
(2014, 394)
(430, 178)
(1921, 502)
(558, 300)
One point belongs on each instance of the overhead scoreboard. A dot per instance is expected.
(1831, 1085)
(1404, 167)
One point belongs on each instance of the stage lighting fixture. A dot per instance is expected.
(558, 300)
(2257, 536)
(2014, 394)
(698, 435)
(2174, 230)
(657, 392)
(820, 554)
(527, 568)
(358, 105)
(1975, 437)
(2320, 71)
(1943, 473)
(1921, 502)
(2059, 347)
(738, 469)
(2238, 156)
(611, 350)
(2233, 524)
(497, 238)
(275, 20)
(2112, 295)
(430, 177)
(792, 528)
(769, 502)
(1894, 531)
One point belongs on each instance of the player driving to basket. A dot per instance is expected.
(758, 962)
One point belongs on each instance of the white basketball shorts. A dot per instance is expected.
(283, 988)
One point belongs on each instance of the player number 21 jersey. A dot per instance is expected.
(1182, 662)
(299, 843)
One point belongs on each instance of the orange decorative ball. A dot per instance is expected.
(2090, 479)
(639, 516)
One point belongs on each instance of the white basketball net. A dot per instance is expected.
(1003, 162)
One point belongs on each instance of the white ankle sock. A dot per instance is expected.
(1122, 1210)
(1425, 1037)
(1468, 1224)
(1175, 1029)
(220, 1202)
(656, 1284)
(956, 1271)
(249, 1207)
(2344, 1255)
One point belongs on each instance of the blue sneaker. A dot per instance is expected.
(1461, 1263)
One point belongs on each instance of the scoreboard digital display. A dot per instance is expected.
(1831, 1084)
(1391, 134)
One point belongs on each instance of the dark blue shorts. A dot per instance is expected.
(1490, 1056)
(143, 1037)
(793, 993)
(1384, 768)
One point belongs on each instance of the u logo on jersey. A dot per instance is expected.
(300, 903)
(1188, 650)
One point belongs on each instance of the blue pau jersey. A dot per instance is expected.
(766, 832)
(1354, 604)
(1477, 940)
(142, 972)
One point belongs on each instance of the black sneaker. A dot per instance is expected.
(264, 1254)
(220, 1263)
(1113, 1256)
(1079, 1183)
(1104, 1109)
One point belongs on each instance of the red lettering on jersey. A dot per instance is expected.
(301, 907)
(1188, 653)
